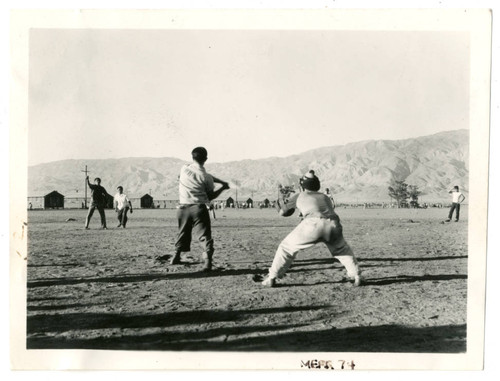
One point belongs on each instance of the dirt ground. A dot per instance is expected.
(103, 289)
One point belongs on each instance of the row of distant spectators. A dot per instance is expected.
(384, 205)
(271, 204)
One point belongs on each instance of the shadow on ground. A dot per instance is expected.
(134, 278)
(412, 279)
(54, 332)
(418, 259)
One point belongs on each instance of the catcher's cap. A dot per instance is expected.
(310, 182)
(199, 154)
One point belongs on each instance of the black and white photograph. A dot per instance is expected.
(291, 189)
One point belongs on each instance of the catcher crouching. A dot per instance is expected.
(320, 224)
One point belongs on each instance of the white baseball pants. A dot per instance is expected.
(310, 231)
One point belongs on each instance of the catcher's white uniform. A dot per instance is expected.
(320, 224)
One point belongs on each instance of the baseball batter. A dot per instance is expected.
(196, 190)
(320, 224)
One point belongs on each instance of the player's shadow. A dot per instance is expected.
(379, 281)
(412, 279)
(54, 265)
(58, 307)
(384, 338)
(285, 338)
(45, 298)
(59, 323)
(218, 272)
(134, 278)
(195, 340)
(418, 259)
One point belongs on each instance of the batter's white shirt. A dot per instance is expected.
(195, 184)
(122, 200)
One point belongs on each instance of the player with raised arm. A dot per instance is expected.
(97, 200)
(196, 189)
(319, 224)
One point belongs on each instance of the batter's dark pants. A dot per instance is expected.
(122, 216)
(100, 208)
(454, 206)
(194, 221)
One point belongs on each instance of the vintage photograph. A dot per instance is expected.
(287, 188)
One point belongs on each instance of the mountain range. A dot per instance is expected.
(355, 172)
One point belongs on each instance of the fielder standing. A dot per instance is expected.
(320, 224)
(330, 196)
(457, 198)
(196, 189)
(122, 206)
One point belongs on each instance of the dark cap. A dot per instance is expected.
(310, 182)
(97, 179)
(199, 154)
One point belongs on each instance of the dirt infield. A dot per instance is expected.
(103, 289)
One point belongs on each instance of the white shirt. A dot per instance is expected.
(312, 204)
(195, 184)
(456, 196)
(122, 200)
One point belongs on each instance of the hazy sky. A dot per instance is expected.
(96, 94)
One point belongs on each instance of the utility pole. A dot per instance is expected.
(86, 174)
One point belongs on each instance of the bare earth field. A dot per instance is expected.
(103, 289)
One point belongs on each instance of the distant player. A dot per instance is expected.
(196, 190)
(320, 224)
(211, 208)
(122, 206)
(330, 196)
(457, 198)
(97, 200)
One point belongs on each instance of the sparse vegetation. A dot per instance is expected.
(398, 190)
